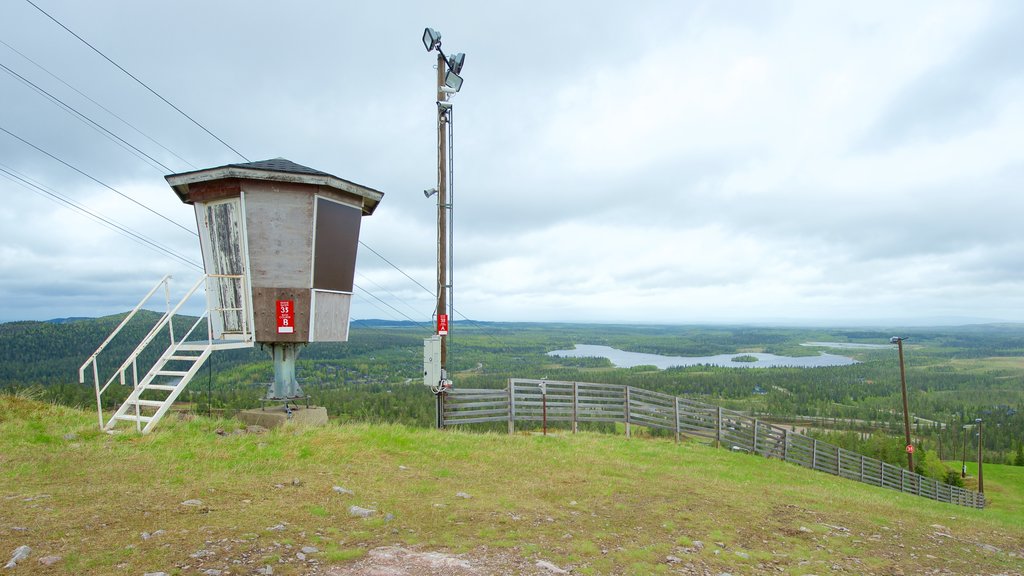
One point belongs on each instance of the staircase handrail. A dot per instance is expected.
(154, 331)
(95, 355)
(163, 322)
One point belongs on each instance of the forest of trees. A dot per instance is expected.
(954, 375)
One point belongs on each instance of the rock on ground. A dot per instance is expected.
(550, 567)
(361, 512)
(20, 553)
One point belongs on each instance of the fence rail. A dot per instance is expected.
(549, 401)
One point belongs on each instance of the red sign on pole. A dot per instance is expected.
(910, 448)
(442, 324)
(285, 316)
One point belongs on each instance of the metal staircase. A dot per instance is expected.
(153, 395)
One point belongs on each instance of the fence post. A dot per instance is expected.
(862, 468)
(785, 445)
(511, 406)
(575, 406)
(718, 429)
(544, 412)
(839, 462)
(902, 476)
(627, 412)
(440, 408)
(755, 436)
(676, 406)
(814, 454)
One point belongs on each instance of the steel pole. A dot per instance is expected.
(442, 228)
(906, 410)
(442, 210)
(981, 478)
(963, 464)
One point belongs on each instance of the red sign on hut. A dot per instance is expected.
(285, 316)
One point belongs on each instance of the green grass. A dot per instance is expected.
(599, 504)
(1004, 490)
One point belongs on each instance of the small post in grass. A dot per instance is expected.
(627, 413)
(544, 406)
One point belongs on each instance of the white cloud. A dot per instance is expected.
(662, 162)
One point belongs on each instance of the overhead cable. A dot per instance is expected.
(90, 177)
(133, 77)
(63, 200)
(370, 294)
(101, 106)
(89, 121)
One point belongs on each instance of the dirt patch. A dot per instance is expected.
(400, 561)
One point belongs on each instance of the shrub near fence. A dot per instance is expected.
(548, 401)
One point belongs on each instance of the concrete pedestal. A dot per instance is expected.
(274, 416)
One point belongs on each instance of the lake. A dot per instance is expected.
(623, 359)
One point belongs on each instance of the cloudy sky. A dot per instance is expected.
(682, 162)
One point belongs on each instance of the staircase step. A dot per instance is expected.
(133, 418)
(153, 403)
(193, 347)
(186, 358)
(171, 373)
(215, 345)
(159, 387)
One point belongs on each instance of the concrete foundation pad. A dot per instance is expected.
(274, 416)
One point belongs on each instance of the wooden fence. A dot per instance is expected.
(548, 401)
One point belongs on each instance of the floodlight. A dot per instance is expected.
(429, 192)
(453, 81)
(455, 62)
(431, 39)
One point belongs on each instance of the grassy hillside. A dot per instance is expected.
(954, 375)
(592, 504)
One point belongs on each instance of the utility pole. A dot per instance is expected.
(442, 213)
(981, 478)
(906, 411)
(448, 83)
(963, 463)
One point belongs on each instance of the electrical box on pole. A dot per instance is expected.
(432, 361)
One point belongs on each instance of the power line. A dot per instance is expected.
(414, 281)
(393, 295)
(63, 200)
(393, 265)
(406, 316)
(101, 106)
(107, 186)
(83, 118)
(158, 95)
(132, 76)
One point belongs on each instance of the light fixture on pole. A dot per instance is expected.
(448, 84)
(431, 39)
(898, 340)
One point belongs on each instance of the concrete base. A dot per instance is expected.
(274, 416)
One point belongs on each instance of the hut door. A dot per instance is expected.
(224, 257)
